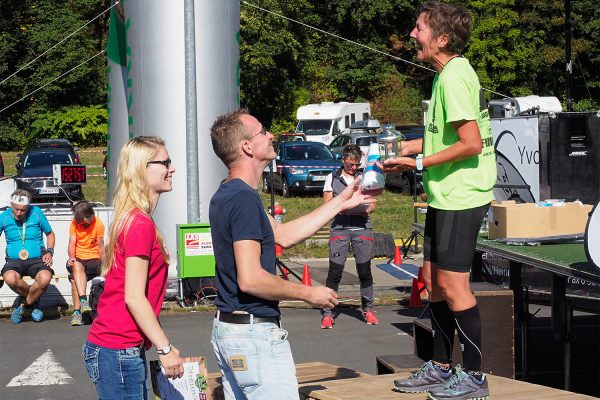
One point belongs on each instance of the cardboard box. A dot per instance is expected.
(529, 220)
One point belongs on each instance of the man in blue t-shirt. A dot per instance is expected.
(26, 254)
(251, 348)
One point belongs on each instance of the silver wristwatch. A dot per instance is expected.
(164, 350)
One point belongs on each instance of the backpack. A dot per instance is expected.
(95, 292)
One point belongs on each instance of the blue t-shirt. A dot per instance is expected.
(35, 223)
(237, 213)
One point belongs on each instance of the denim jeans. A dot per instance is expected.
(117, 374)
(255, 361)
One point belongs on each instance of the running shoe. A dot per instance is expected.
(77, 319)
(370, 317)
(17, 315)
(462, 386)
(37, 315)
(427, 378)
(85, 307)
(327, 322)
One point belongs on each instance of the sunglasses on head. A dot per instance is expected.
(166, 163)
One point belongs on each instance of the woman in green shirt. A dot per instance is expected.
(458, 162)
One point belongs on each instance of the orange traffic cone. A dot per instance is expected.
(398, 256)
(415, 296)
(423, 293)
(284, 273)
(306, 276)
(420, 280)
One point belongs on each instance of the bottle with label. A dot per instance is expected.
(373, 177)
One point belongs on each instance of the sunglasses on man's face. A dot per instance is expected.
(166, 163)
(351, 164)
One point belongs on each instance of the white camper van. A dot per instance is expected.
(322, 122)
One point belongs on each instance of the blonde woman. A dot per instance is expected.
(135, 267)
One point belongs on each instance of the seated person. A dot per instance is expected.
(86, 251)
(23, 226)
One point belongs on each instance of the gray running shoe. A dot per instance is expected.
(77, 320)
(462, 386)
(85, 307)
(427, 378)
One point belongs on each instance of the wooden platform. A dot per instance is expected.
(307, 374)
(380, 387)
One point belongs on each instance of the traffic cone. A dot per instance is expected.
(306, 276)
(398, 256)
(415, 296)
(284, 273)
(420, 280)
(423, 294)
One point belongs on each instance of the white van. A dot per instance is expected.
(322, 122)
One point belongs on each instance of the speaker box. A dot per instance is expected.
(574, 157)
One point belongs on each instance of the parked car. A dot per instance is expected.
(407, 182)
(411, 132)
(361, 133)
(34, 174)
(363, 140)
(300, 167)
(291, 137)
(55, 144)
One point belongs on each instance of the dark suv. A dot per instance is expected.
(54, 144)
(35, 174)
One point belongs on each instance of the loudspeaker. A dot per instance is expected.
(574, 157)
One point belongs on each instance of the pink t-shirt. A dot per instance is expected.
(115, 327)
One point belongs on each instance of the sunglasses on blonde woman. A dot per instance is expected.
(166, 163)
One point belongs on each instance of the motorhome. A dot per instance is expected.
(322, 122)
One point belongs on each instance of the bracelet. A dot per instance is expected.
(50, 250)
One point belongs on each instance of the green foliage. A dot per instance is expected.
(82, 126)
(517, 48)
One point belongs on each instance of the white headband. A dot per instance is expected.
(20, 200)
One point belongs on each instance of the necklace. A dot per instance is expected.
(23, 254)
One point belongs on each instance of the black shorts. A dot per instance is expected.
(29, 267)
(451, 237)
(91, 267)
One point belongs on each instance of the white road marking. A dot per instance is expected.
(44, 371)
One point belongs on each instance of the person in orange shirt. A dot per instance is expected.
(86, 251)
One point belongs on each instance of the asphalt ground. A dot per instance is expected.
(43, 360)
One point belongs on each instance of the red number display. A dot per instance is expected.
(73, 173)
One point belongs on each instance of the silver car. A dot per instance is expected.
(363, 140)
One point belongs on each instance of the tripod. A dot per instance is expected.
(413, 238)
(283, 269)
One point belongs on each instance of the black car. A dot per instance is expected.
(54, 144)
(35, 174)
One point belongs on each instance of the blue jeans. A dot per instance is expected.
(255, 361)
(117, 374)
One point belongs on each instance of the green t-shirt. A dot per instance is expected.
(467, 183)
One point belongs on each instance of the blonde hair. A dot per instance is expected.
(131, 193)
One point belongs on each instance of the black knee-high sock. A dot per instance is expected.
(468, 325)
(443, 325)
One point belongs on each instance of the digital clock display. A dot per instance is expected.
(67, 173)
